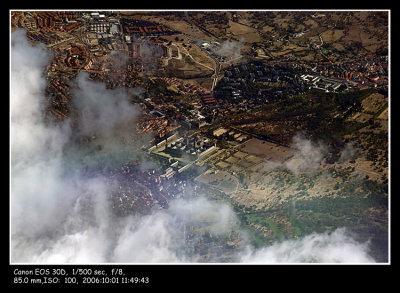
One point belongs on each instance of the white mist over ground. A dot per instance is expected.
(230, 49)
(60, 216)
(336, 247)
(307, 157)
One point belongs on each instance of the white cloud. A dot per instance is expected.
(46, 190)
(230, 49)
(335, 247)
(35, 147)
(349, 152)
(308, 155)
(160, 237)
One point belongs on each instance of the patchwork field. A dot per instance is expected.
(267, 150)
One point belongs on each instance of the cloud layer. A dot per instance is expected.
(335, 247)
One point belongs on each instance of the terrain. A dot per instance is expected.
(284, 116)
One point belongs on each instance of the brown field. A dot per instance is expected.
(223, 164)
(232, 160)
(384, 115)
(240, 155)
(202, 82)
(332, 35)
(242, 32)
(266, 150)
(188, 61)
(187, 68)
(245, 163)
(374, 102)
(219, 179)
(254, 159)
(361, 117)
(371, 105)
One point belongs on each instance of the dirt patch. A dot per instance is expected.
(218, 179)
(245, 163)
(254, 159)
(223, 164)
(361, 117)
(338, 46)
(373, 103)
(243, 32)
(239, 155)
(187, 68)
(267, 150)
(384, 115)
(232, 160)
(332, 35)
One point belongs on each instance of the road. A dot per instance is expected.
(196, 41)
(216, 73)
(257, 136)
(217, 64)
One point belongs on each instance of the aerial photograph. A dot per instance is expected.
(199, 137)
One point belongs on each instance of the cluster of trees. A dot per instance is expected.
(314, 111)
